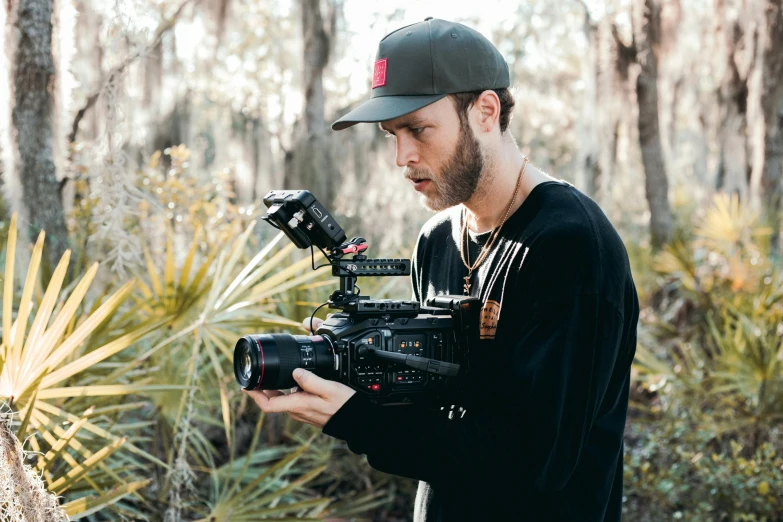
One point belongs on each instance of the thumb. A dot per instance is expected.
(315, 325)
(311, 383)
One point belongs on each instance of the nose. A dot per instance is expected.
(407, 155)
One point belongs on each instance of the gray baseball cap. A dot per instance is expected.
(421, 63)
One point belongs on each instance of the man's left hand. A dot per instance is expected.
(315, 404)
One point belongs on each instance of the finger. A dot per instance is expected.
(295, 402)
(272, 393)
(316, 324)
(259, 397)
(269, 400)
(310, 382)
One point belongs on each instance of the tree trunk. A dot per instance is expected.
(671, 74)
(589, 146)
(220, 20)
(153, 79)
(647, 34)
(310, 163)
(771, 112)
(32, 119)
(734, 166)
(316, 56)
(5, 103)
(702, 147)
(264, 167)
(615, 62)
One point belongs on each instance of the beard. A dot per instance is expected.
(459, 177)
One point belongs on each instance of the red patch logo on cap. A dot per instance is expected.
(379, 73)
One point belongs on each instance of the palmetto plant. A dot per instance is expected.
(70, 358)
(728, 372)
(728, 253)
(207, 303)
(209, 311)
(272, 482)
(263, 484)
(43, 354)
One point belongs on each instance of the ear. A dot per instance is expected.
(488, 108)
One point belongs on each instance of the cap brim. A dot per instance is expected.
(385, 108)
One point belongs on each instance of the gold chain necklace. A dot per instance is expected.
(492, 238)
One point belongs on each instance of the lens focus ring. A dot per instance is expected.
(267, 361)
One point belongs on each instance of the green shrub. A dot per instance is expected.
(674, 471)
(703, 441)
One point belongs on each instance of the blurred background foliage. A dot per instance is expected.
(141, 135)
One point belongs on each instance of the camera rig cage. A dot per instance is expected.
(307, 223)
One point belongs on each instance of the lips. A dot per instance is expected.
(419, 184)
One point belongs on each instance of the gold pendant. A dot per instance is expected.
(467, 284)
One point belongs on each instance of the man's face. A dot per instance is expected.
(442, 157)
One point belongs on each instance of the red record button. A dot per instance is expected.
(376, 387)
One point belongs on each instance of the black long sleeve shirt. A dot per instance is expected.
(539, 433)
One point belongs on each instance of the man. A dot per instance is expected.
(538, 433)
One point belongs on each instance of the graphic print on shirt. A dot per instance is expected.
(490, 310)
(490, 313)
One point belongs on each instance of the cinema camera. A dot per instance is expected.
(396, 352)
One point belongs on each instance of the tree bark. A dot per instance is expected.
(616, 60)
(32, 120)
(589, 146)
(5, 102)
(220, 20)
(671, 74)
(647, 35)
(734, 166)
(316, 56)
(310, 163)
(772, 114)
(264, 165)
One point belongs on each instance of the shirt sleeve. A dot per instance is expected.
(415, 271)
(559, 370)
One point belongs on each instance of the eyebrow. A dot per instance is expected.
(409, 122)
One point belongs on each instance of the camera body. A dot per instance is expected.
(440, 333)
(394, 351)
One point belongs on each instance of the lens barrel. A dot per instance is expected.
(267, 361)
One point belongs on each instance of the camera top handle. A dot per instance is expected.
(349, 269)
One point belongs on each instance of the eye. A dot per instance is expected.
(417, 130)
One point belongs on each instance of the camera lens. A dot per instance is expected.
(247, 366)
(267, 361)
